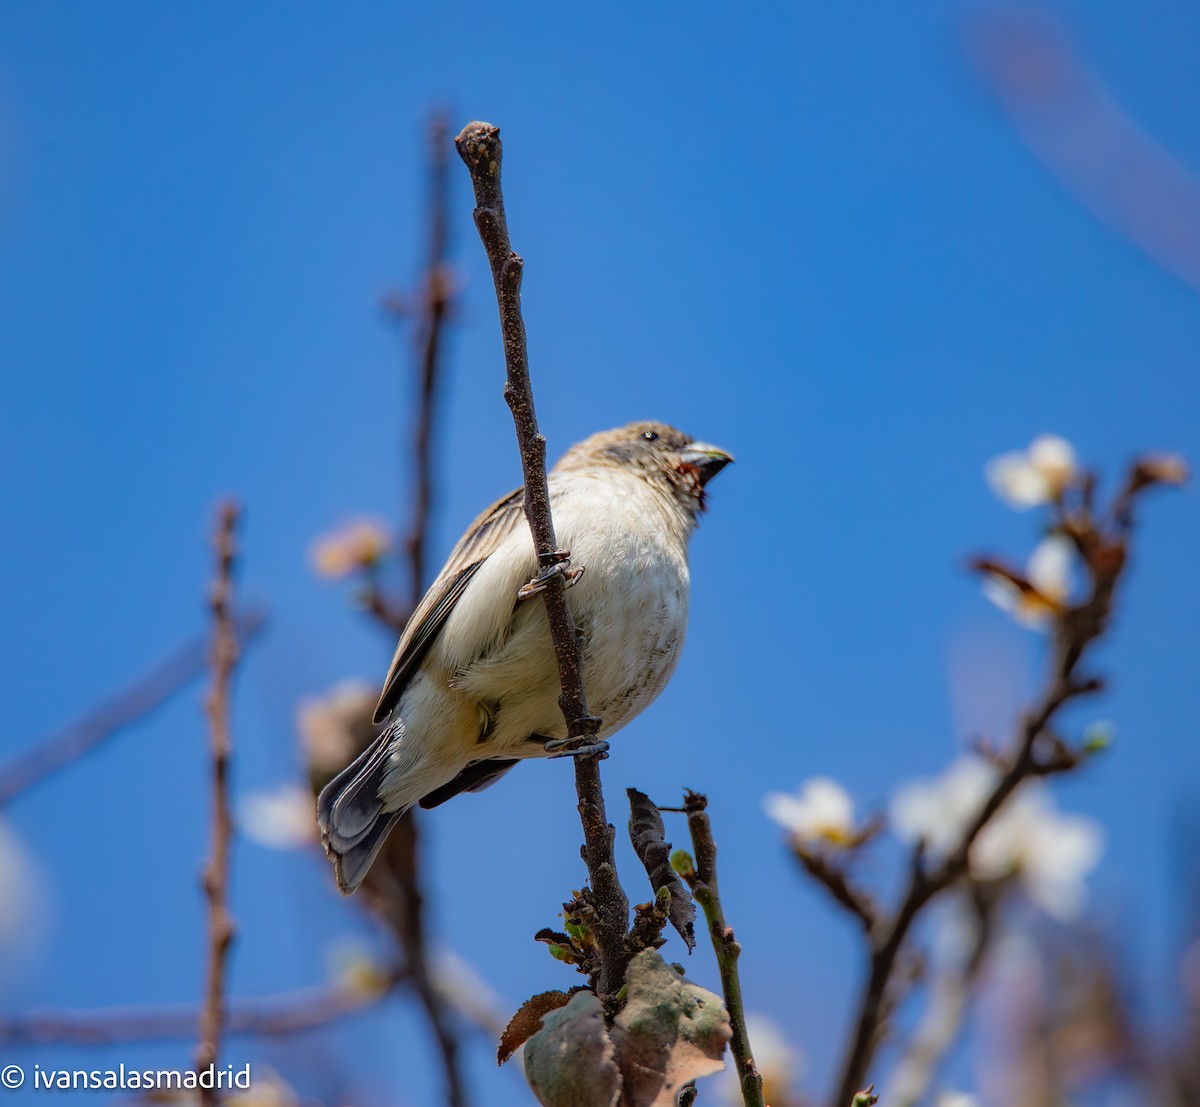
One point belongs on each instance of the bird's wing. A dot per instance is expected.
(482, 539)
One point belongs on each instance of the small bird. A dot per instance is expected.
(473, 687)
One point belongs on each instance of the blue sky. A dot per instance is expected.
(805, 233)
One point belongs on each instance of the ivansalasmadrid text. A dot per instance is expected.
(155, 1079)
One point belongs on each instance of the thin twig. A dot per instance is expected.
(703, 882)
(391, 615)
(216, 873)
(839, 885)
(479, 146)
(106, 720)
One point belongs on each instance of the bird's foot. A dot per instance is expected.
(583, 745)
(557, 569)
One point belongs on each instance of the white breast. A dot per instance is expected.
(632, 602)
(631, 605)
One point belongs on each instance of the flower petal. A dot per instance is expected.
(1049, 567)
(1016, 481)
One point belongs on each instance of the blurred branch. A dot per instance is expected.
(435, 304)
(949, 996)
(131, 705)
(216, 873)
(479, 146)
(431, 307)
(836, 881)
(1076, 128)
(1102, 544)
(389, 614)
(394, 884)
(394, 893)
(703, 882)
(279, 1015)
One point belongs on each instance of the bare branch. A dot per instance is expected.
(436, 298)
(393, 887)
(216, 873)
(129, 706)
(394, 883)
(389, 614)
(479, 146)
(838, 884)
(1037, 750)
(271, 1016)
(703, 882)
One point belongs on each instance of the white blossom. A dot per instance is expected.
(1049, 573)
(937, 811)
(268, 1090)
(356, 971)
(1049, 852)
(1038, 475)
(284, 818)
(820, 812)
(957, 1099)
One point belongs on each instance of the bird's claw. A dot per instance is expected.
(569, 747)
(557, 569)
(582, 745)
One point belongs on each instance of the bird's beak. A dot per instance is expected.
(707, 460)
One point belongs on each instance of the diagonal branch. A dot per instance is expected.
(887, 939)
(479, 147)
(270, 1016)
(1036, 751)
(129, 706)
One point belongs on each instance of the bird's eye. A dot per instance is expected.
(650, 436)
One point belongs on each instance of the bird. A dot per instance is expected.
(473, 687)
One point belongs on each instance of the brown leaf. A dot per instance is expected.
(669, 1032)
(648, 834)
(1158, 469)
(527, 1021)
(569, 1062)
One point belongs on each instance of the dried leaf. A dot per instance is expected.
(669, 1032)
(527, 1021)
(569, 1062)
(648, 834)
(1158, 469)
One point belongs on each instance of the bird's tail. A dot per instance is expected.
(351, 816)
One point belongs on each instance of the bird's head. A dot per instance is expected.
(661, 454)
